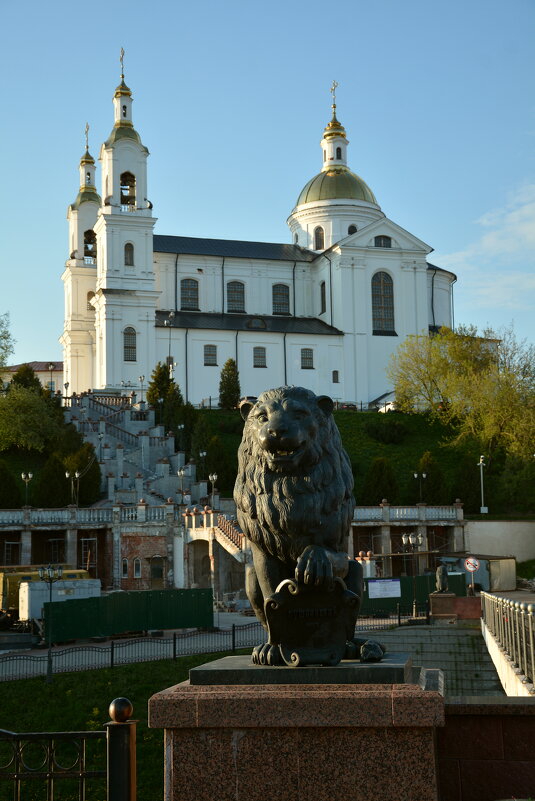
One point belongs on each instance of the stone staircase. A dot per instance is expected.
(459, 651)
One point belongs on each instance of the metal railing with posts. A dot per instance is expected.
(148, 649)
(512, 625)
(74, 760)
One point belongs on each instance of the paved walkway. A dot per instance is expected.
(459, 651)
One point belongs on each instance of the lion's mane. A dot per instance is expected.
(283, 513)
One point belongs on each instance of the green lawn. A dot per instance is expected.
(79, 701)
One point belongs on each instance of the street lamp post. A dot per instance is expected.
(181, 473)
(213, 479)
(412, 542)
(50, 575)
(481, 464)
(141, 379)
(100, 438)
(74, 477)
(51, 368)
(420, 477)
(26, 477)
(169, 324)
(66, 387)
(202, 457)
(180, 429)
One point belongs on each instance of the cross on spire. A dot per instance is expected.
(121, 59)
(332, 90)
(87, 136)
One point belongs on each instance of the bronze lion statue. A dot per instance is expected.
(294, 499)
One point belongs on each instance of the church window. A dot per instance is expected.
(129, 344)
(235, 296)
(319, 238)
(383, 242)
(189, 294)
(307, 359)
(90, 296)
(88, 177)
(129, 254)
(336, 377)
(90, 247)
(125, 568)
(352, 229)
(210, 355)
(137, 568)
(128, 191)
(259, 357)
(383, 304)
(124, 111)
(338, 152)
(281, 299)
(323, 298)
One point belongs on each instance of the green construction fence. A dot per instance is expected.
(423, 585)
(122, 612)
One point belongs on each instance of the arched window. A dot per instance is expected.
(124, 569)
(88, 177)
(210, 355)
(129, 344)
(383, 304)
(129, 255)
(352, 229)
(336, 377)
(137, 568)
(307, 359)
(124, 111)
(128, 190)
(90, 247)
(323, 298)
(281, 299)
(90, 296)
(383, 242)
(319, 238)
(259, 357)
(235, 296)
(338, 152)
(189, 294)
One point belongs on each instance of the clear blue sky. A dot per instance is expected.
(231, 98)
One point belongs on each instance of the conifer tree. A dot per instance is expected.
(25, 377)
(380, 483)
(229, 385)
(52, 489)
(10, 495)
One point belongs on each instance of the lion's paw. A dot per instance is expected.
(266, 654)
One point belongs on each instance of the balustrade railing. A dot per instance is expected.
(231, 530)
(387, 513)
(512, 625)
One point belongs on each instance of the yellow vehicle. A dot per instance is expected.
(10, 581)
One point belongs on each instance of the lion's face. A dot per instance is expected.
(286, 427)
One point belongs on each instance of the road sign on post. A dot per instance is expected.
(472, 564)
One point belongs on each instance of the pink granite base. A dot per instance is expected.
(298, 742)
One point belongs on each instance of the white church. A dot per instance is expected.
(325, 311)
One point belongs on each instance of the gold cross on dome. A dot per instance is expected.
(87, 136)
(121, 59)
(332, 90)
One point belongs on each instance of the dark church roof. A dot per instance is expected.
(232, 248)
(246, 322)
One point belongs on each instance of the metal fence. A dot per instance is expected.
(149, 649)
(79, 763)
(512, 625)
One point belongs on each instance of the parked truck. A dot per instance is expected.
(11, 579)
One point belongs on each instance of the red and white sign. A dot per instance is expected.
(471, 564)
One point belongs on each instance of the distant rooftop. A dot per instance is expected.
(233, 248)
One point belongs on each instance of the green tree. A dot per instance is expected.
(200, 440)
(158, 387)
(25, 377)
(466, 484)
(26, 420)
(10, 495)
(6, 340)
(85, 462)
(52, 489)
(483, 386)
(186, 421)
(172, 404)
(229, 385)
(380, 482)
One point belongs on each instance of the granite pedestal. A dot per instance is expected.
(297, 741)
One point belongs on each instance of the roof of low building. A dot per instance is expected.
(246, 322)
(37, 367)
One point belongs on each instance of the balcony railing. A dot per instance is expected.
(387, 513)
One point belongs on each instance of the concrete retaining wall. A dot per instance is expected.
(501, 538)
